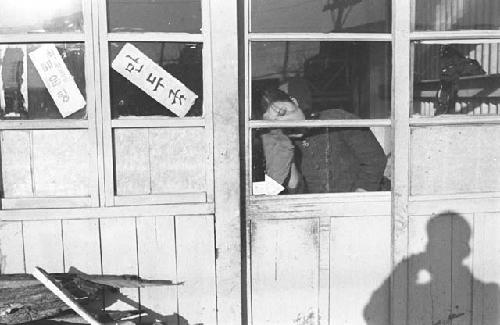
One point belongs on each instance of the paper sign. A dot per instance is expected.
(268, 187)
(58, 80)
(153, 80)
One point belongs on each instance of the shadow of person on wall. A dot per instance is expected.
(441, 289)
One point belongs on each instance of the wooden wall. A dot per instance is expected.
(45, 163)
(177, 248)
(310, 271)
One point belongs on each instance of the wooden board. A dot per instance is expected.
(61, 163)
(11, 247)
(82, 245)
(284, 271)
(360, 264)
(132, 162)
(43, 245)
(486, 290)
(440, 277)
(119, 256)
(196, 269)
(157, 261)
(178, 160)
(16, 164)
(452, 160)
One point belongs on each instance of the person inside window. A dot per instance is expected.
(333, 159)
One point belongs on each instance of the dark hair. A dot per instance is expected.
(273, 95)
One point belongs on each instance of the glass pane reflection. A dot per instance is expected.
(321, 160)
(35, 16)
(51, 87)
(154, 16)
(183, 61)
(456, 79)
(299, 16)
(353, 76)
(445, 15)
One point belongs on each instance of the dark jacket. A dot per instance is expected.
(340, 159)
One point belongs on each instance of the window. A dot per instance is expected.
(339, 140)
(105, 103)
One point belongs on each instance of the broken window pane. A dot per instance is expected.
(320, 160)
(153, 78)
(299, 16)
(154, 16)
(445, 15)
(456, 79)
(40, 17)
(42, 81)
(352, 76)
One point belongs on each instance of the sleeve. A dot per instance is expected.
(369, 154)
(278, 152)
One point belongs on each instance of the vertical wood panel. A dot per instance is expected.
(61, 163)
(11, 247)
(132, 162)
(196, 268)
(16, 164)
(157, 261)
(429, 301)
(360, 264)
(82, 245)
(441, 280)
(43, 245)
(324, 270)
(178, 160)
(119, 256)
(285, 271)
(486, 298)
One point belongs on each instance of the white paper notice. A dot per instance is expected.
(153, 80)
(58, 80)
(268, 187)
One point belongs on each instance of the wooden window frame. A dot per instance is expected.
(108, 124)
(85, 37)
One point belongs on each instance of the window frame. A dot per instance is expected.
(314, 204)
(89, 124)
(147, 122)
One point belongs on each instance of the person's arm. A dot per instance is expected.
(370, 155)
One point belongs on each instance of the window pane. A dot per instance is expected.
(455, 159)
(456, 79)
(154, 16)
(445, 15)
(352, 76)
(320, 160)
(42, 81)
(35, 16)
(299, 16)
(156, 79)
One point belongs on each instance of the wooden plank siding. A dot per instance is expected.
(176, 248)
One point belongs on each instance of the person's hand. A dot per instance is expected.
(283, 111)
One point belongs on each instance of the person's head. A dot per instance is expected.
(278, 106)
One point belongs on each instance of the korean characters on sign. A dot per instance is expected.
(58, 80)
(154, 80)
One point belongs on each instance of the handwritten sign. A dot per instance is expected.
(268, 187)
(153, 80)
(58, 80)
